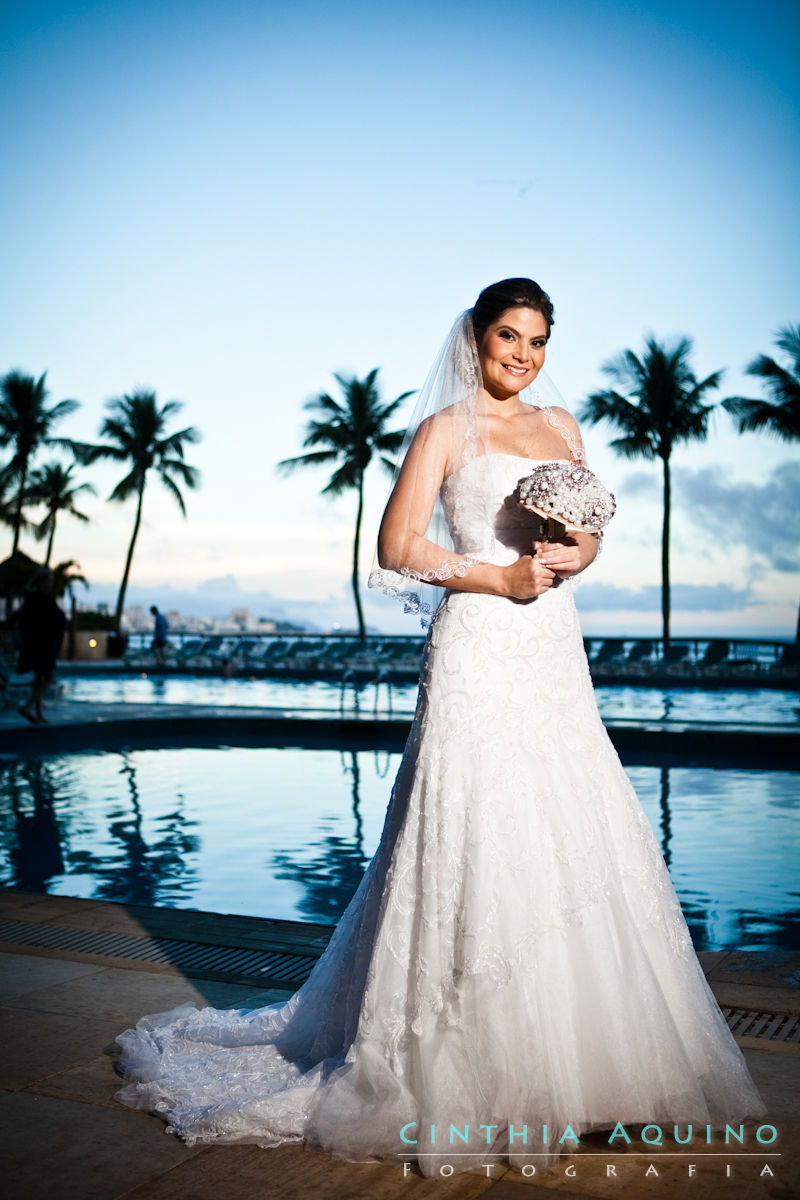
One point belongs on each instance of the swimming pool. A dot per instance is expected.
(752, 706)
(288, 833)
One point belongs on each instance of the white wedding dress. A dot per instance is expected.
(515, 952)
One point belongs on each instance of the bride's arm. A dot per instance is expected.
(402, 544)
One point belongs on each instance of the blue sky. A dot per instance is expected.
(227, 202)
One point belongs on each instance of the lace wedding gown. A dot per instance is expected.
(515, 952)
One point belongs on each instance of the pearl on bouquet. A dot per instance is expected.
(568, 493)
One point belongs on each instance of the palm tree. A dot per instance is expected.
(136, 434)
(8, 500)
(659, 405)
(351, 432)
(65, 575)
(54, 486)
(780, 415)
(26, 424)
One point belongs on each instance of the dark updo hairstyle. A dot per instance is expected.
(495, 299)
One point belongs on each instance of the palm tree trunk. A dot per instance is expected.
(73, 626)
(23, 475)
(50, 540)
(362, 632)
(665, 585)
(123, 587)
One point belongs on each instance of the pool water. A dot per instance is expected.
(759, 706)
(288, 833)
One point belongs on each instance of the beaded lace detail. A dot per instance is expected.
(574, 443)
(411, 600)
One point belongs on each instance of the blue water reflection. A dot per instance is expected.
(763, 706)
(288, 833)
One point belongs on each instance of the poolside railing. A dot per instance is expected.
(386, 656)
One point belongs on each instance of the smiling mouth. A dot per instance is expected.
(515, 370)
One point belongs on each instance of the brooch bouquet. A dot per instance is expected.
(567, 494)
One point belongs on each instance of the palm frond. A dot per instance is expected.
(345, 477)
(388, 410)
(127, 487)
(326, 404)
(757, 416)
(618, 411)
(390, 441)
(782, 385)
(788, 340)
(780, 413)
(64, 408)
(174, 443)
(633, 447)
(87, 453)
(318, 433)
(189, 476)
(287, 465)
(172, 487)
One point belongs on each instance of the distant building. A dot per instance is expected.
(241, 618)
(136, 618)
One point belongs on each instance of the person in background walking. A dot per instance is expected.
(41, 627)
(159, 646)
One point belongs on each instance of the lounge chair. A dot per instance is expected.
(226, 650)
(716, 653)
(192, 653)
(611, 651)
(638, 652)
(269, 653)
(675, 657)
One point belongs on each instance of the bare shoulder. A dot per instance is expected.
(436, 431)
(431, 442)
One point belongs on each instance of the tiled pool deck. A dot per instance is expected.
(66, 1138)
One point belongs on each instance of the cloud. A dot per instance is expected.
(215, 598)
(641, 483)
(223, 586)
(211, 598)
(765, 516)
(686, 597)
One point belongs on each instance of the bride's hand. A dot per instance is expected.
(528, 577)
(563, 558)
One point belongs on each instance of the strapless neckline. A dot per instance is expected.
(500, 454)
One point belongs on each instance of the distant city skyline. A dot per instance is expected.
(228, 202)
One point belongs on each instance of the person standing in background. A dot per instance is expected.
(160, 627)
(41, 627)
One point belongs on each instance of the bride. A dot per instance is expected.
(514, 968)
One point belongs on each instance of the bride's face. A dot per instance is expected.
(512, 350)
